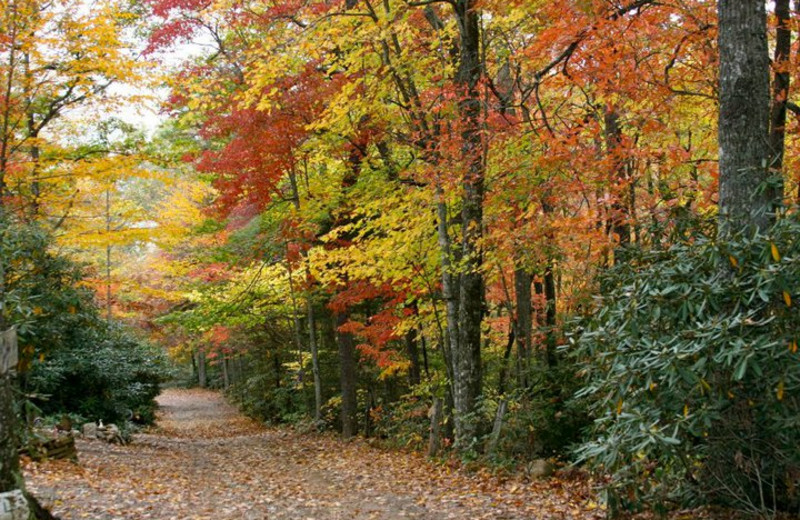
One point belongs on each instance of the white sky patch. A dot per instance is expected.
(139, 104)
(145, 109)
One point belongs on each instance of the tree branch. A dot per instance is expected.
(422, 3)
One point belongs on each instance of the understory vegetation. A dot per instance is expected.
(73, 360)
(690, 367)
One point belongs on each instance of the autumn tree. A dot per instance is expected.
(54, 57)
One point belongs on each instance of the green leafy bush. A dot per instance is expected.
(406, 422)
(692, 368)
(113, 376)
(258, 397)
(72, 360)
(264, 389)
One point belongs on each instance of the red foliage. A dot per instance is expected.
(378, 330)
(261, 146)
(361, 291)
(216, 272)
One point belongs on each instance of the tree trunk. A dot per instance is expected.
(550, 314)
(201, 368)
(424, 344)
(233, 372)
(449, 285)
(10, 476)
(108, 255)
(620, 214)
(297, 333)
(780, 93)
(547, 313)
(745, 200)
(501, 384)
(524, 325)
(226, 381)
(466, 355)
(35, 183)
(347, 371)
(277, 367)
(412, 351)
(312, 344)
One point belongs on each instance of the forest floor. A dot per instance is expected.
(204, 460)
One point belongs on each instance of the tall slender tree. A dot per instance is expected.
(466, 345)
(745, 198)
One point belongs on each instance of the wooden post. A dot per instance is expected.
(435, 440)
(10, 477)
(498, 426)
(9, 353)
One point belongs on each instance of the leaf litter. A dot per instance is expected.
(204, 460)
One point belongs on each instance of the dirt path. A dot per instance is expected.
(206, 461)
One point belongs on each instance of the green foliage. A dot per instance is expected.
(543, 421)
(40, 294)
(259, 396)
(112, 376)
(405, 422)
(72, 360)
(266, 385)
(692, 369)
(331, 413)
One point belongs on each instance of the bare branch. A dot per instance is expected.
(422, 3)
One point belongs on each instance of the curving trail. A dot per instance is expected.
(207, 461)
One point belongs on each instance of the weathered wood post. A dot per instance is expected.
(13, 505)
(435, 439)
(494, 440)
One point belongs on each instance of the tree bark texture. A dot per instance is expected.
(780, 93)
(550, 314)
(226, 380)
(201, 368)
(467, 352)
(524, 325)
(347, 371)
(620, 214)
(412, 351)
(449, 284)
(10, 476)
(312, 345)
(745, 200)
